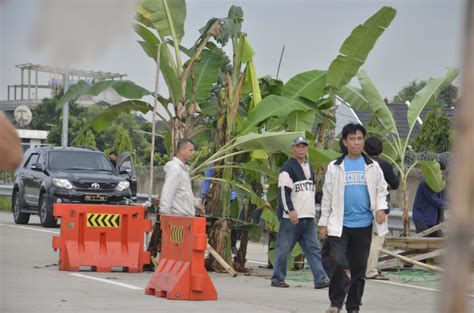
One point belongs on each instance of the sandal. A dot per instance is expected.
(378, 277)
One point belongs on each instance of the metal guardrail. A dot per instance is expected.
(395, 223)
(6, 190)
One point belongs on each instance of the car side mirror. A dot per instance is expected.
(37, 167)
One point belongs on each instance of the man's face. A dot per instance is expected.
(187, 152)
(354, 143)
(300, 150)
(113, 157)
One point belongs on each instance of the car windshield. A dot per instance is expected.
(79, 160)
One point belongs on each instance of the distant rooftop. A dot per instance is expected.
(73, 72)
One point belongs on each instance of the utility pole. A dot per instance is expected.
(64, 135)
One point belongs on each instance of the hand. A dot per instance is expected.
(293, 217)
(200, 211)
(323, 232)
(380, 216)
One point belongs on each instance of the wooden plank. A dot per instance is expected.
(414, 256)
(415, 243)
(414, 262)
(429, 231)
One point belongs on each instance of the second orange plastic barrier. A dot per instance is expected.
(181, 274)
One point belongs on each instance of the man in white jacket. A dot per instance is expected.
(354, 195)
(177, 193)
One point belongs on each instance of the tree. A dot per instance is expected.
(408, 92)
(86, 138)
(446, 97)
(435, 134)
(122, 141)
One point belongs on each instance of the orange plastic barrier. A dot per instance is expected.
(101, 236)
(181, 274)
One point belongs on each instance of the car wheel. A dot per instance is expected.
(46, 218)
(18, 216)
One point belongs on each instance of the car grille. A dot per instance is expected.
(88, 186)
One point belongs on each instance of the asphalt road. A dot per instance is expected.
(31, 282)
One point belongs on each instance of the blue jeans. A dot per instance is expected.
(305, 234)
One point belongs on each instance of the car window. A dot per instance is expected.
(79, 160)
(126, 164)
(40, 159)
(31, 160)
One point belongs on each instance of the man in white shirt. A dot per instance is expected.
(177, 193)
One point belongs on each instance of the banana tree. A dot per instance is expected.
(368, 99)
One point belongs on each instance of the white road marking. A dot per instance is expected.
(107, 281)
(31, 228)
(257, 262)
(410, 286)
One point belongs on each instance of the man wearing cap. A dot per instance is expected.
(296, 210)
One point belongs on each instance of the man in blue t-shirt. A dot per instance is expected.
(354, 195)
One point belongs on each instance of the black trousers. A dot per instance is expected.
(348, 252)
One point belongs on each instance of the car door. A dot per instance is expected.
(37, 177)
(126, 168)
(27, 176)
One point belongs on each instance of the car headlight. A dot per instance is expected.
(122, 185)
(62, 183)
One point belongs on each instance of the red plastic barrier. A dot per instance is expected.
(181, 274)
(101, 236)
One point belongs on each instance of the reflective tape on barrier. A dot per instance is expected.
(177, 234)
(103, 220)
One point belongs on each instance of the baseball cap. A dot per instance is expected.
(299, 139)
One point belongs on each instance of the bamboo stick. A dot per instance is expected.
(221, 261)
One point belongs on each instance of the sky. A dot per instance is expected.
(424, 39)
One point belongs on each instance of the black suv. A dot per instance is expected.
(50, 175)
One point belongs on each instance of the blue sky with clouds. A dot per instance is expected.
(423, 40)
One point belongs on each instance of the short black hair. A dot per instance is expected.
(352, 128)
(373, 146)
(113, 152)
(182, 142)
(342, 147)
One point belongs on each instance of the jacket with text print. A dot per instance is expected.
(332, 204)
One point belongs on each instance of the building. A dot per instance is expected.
(42, 81)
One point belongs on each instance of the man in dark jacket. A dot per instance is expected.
(374, 148)
(296, 205)
(428, 208)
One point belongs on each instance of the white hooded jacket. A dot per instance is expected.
(177, 193)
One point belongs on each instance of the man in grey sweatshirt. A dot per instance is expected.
(177, 193)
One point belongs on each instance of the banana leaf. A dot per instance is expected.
(432, 173)
(272, 106)
(124, 88)
(427, 94)
(356, 48)
(309, 85)
(204, 76)
(167, 16)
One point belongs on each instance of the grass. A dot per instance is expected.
(5, 204)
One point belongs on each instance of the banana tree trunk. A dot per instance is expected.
(405, 219)
(241, 257)
(219, 239)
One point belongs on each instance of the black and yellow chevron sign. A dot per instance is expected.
(103, 220)
(177, 234)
